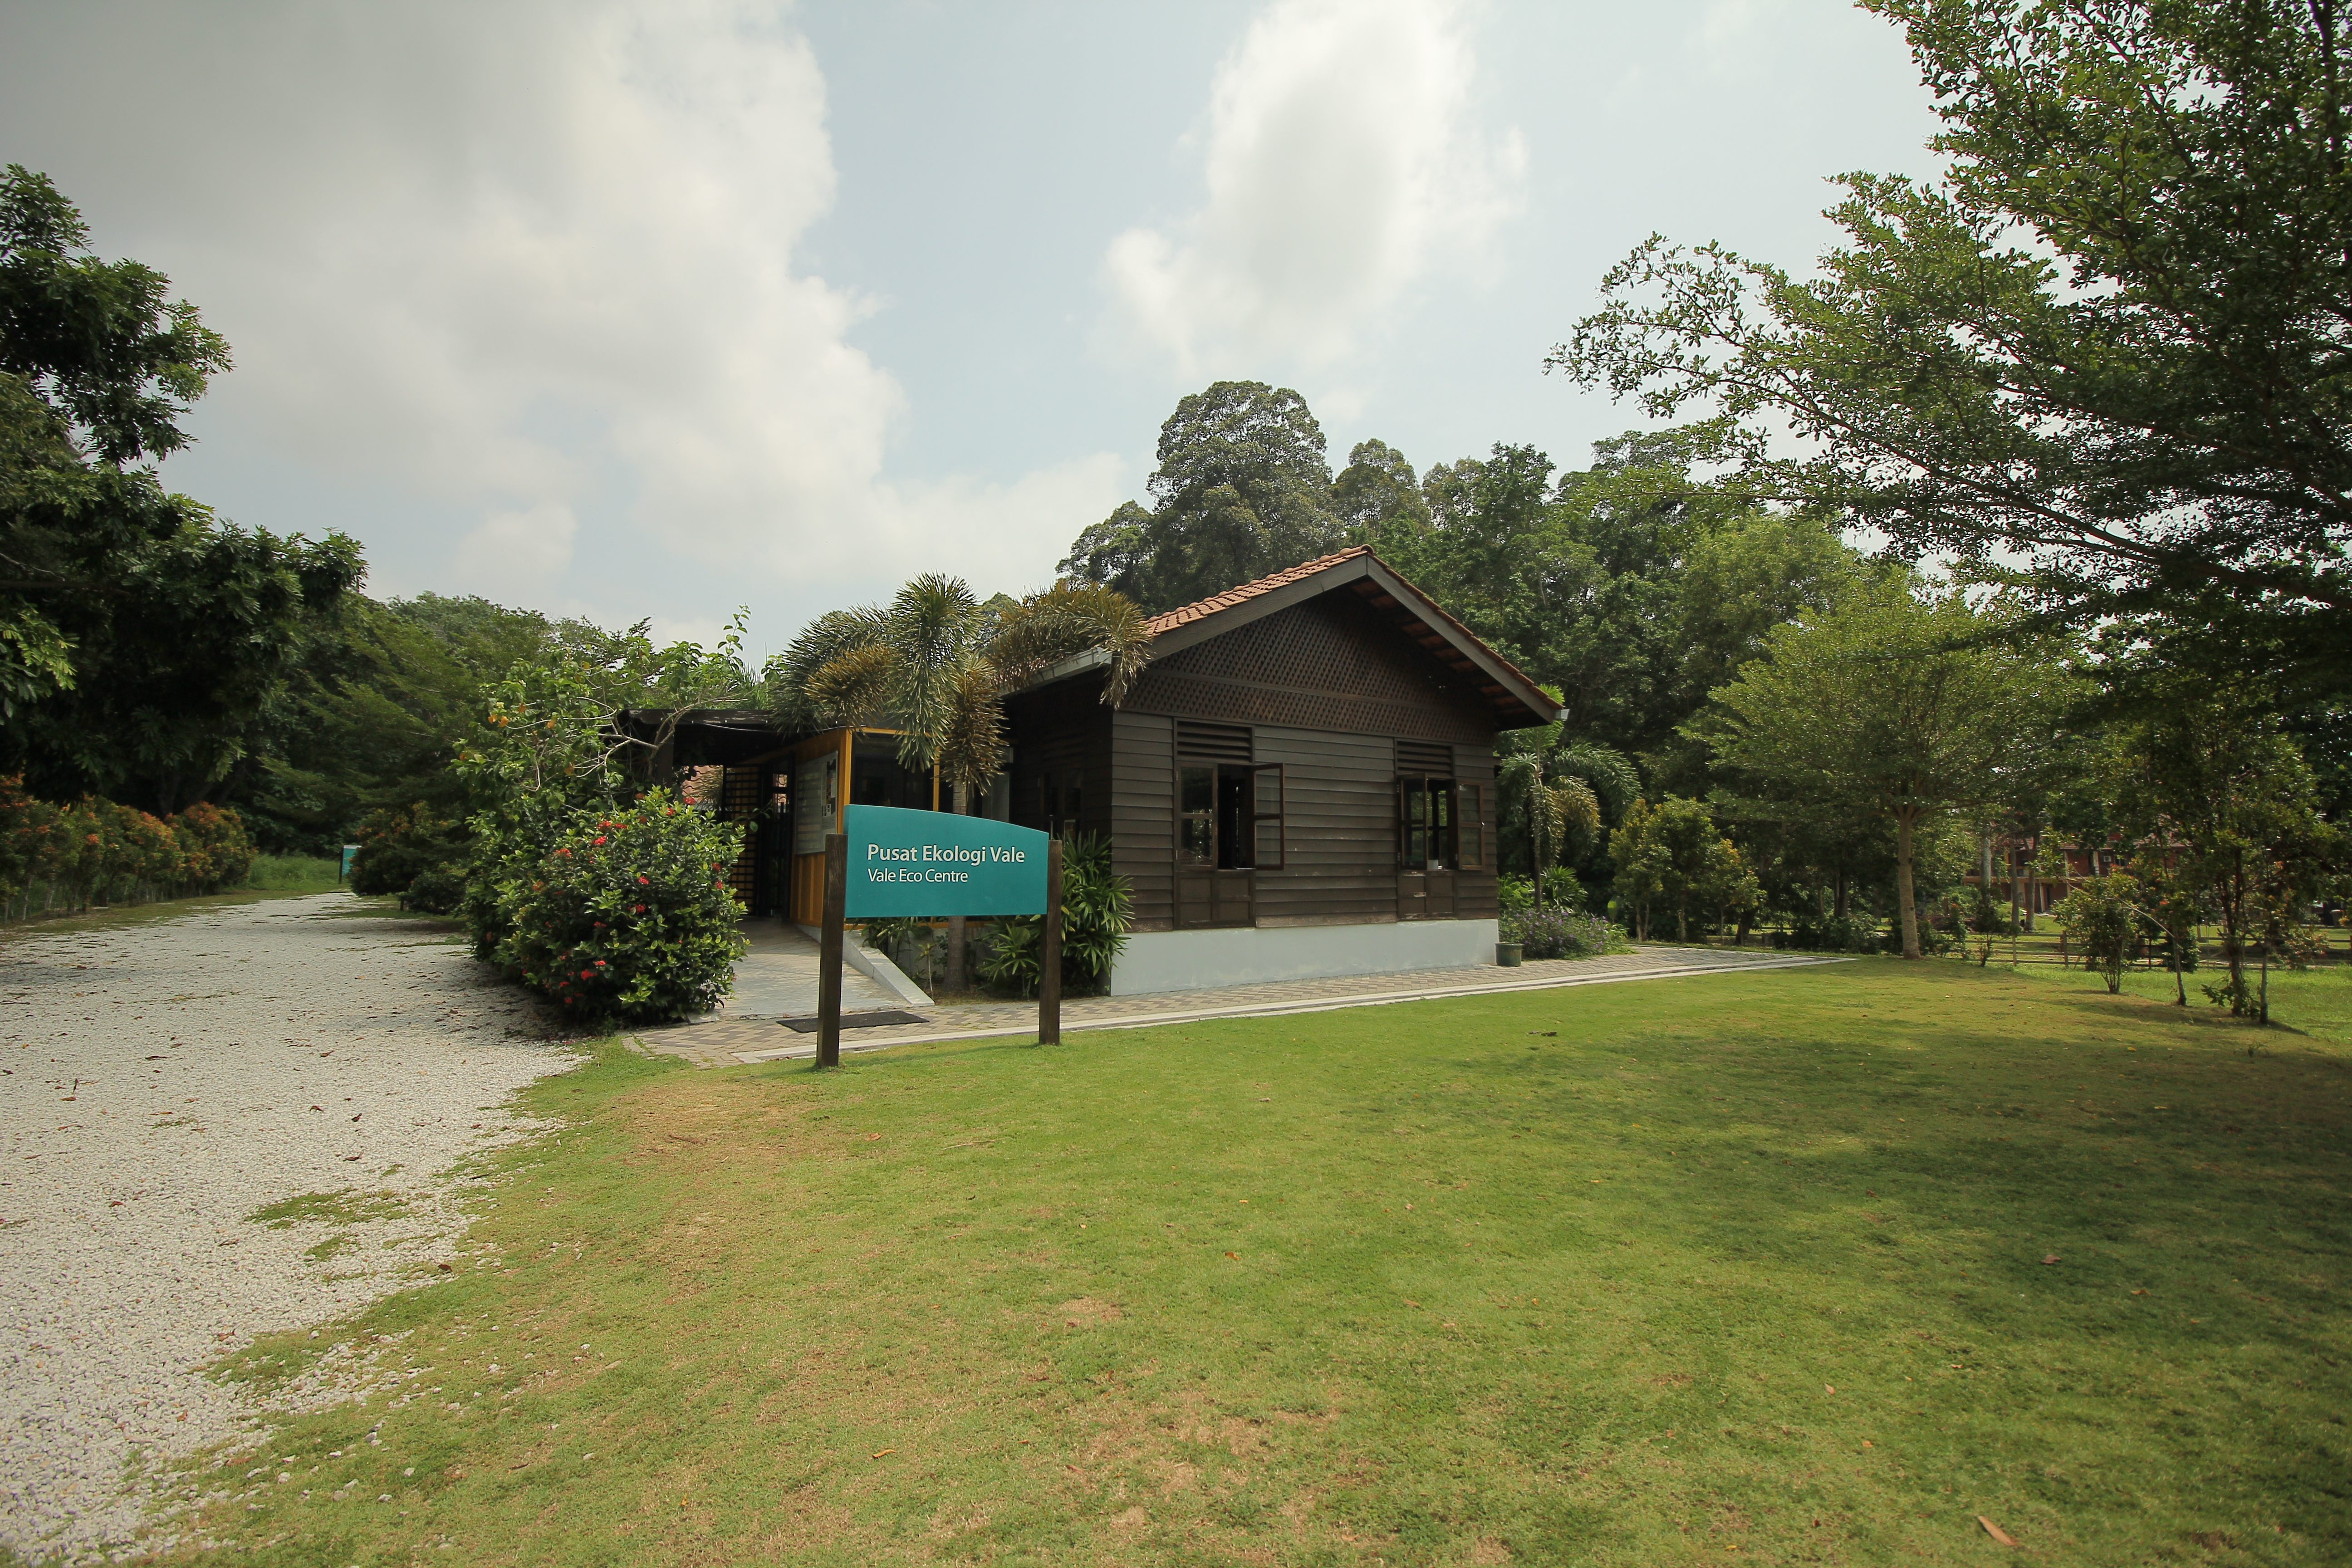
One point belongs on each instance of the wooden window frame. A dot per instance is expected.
(1207, 814)
(1261, 818)
(1427, 787)
(1470, 824)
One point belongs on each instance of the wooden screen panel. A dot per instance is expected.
(743, 796)
(1331, 663)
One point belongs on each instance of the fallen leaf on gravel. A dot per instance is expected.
(447, 1268)
(1996, 1531)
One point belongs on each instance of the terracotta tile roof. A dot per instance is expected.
(1170, 621)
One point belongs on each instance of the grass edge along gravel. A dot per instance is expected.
(1631, 1274)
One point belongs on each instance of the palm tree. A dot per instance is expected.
(936, 664)
(1568, 790)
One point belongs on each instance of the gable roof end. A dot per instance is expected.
(1520, 703)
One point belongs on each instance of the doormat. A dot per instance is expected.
(854, 1021)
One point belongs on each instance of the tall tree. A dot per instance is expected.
(2213, 785)
(1377, 489)
(1582, 581)
(144, 646)
(1243, 488)
(2110, 342)
(1893, 706)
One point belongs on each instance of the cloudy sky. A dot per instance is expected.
(657, 308)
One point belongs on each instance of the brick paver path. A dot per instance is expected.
(726, 1042)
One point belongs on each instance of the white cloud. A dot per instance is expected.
(1342, 164)
(533, 262)
(513, 553)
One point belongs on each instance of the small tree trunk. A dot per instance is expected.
(1839, 906)
(956, 931)
(1904, 905)
(2233, 947)
(1535, 842)
(2179, 980)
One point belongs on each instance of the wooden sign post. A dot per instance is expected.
(1049, 953)
(828, 967)
(925, 864)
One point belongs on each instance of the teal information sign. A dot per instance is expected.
(905, 863)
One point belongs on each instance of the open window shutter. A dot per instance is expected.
(1266, 806)
(1472, 810)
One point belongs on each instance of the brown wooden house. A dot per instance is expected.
(1301, 784)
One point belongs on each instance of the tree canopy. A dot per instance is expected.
(1895, 704)
(1242, 489)
(145, 647)
(2106, 356)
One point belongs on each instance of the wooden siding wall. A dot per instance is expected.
(1473, 891)
(1142, 766)
(1327, 689)
(1339, 829)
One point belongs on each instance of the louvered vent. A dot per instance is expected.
(1420, 757)
(1212, 742)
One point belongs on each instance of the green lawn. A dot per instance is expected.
(1805, 1266)
(295, 873)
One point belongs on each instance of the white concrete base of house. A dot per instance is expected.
(1158, 961)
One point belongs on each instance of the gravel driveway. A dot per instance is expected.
(160, 1083)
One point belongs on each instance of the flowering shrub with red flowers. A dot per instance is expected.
(629, 916)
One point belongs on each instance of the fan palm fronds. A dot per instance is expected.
(1612, 778)
(1070, 618)
(855, 687)
(822, 640)
(933, 628)
(935, 664)
(970, 742)
(1575, 812)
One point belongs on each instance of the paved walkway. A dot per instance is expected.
(735, 1037)
(777, 979)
